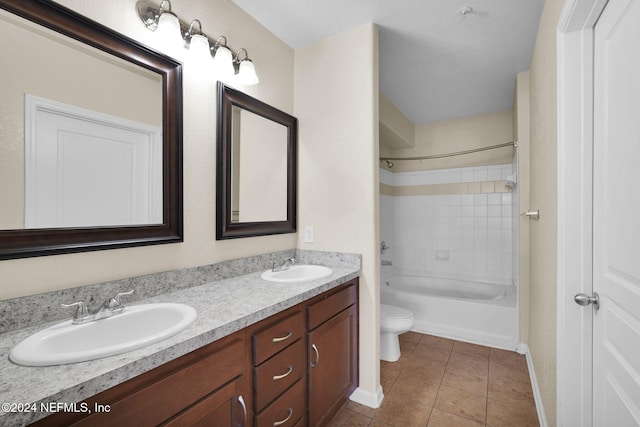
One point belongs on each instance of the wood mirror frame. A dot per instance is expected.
(22, 243)
(225, 228)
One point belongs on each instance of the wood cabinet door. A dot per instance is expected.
(225, 408)
(333, 365)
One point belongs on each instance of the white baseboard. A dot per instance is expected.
(372, 400)
(542, 418)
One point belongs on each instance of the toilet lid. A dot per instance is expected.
(395, 312)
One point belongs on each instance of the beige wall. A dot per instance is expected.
(459, 135)
(396, 131)
(274, 63)
(543, 233)
(336, 102)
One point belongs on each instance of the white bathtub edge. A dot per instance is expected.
(542, 418)
(466, 335)
(372, 400)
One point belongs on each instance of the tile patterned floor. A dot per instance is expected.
(444, 383)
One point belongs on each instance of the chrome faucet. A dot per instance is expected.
(287, 263)
(110, 307)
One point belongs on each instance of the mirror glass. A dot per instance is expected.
(256, 167)
(90, 136)
(72, 153)
(259, 171)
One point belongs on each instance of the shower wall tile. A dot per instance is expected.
(494, 173)
(474, 227)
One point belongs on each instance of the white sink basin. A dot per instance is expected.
(136, 327)
(298, 273)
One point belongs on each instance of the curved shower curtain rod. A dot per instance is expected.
(457, 153)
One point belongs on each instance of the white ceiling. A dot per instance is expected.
(434, 63)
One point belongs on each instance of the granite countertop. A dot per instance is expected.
(223, 307)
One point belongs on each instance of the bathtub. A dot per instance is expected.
(473, 311)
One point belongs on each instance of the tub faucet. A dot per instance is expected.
(287, 263)
(108, 308)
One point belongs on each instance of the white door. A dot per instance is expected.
(87, 169)
(616, 216)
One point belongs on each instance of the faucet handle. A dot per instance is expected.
(81, 312)
(121, 294)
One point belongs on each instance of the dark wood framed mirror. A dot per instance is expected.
(256, 167)
(48, 20)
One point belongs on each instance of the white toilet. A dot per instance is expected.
(393, 322)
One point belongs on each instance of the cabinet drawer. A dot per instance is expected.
(278, 373)
(286, 410)
(274, 338)
(323, 310)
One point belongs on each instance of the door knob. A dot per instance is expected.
(584, 299)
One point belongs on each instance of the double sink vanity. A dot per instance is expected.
(260, 348)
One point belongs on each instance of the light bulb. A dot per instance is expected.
(199, 48)
(247, 73)
(223, 61)
(169, 29)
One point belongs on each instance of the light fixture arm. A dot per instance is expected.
(237, 56)
(190, 32)
(215, 45)
(162, 10)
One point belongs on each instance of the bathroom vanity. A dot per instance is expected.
(295, 368)
(259, 353)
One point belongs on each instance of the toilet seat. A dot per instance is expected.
(395, 318)
(393, 311)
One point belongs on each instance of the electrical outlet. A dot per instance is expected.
(308, 234)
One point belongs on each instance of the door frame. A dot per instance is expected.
(575, 37)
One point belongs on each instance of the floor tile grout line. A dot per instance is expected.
(486, 411)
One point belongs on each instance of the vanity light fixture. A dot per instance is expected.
(198, 42)
(168, 24)
(222, 57)
(225, 62)
(246, 70)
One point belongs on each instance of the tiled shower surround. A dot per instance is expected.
(455, 223)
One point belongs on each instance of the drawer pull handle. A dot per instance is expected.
(280, 339)
(244, 410)
(279, 423)
(315, 350)
(279, 377)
